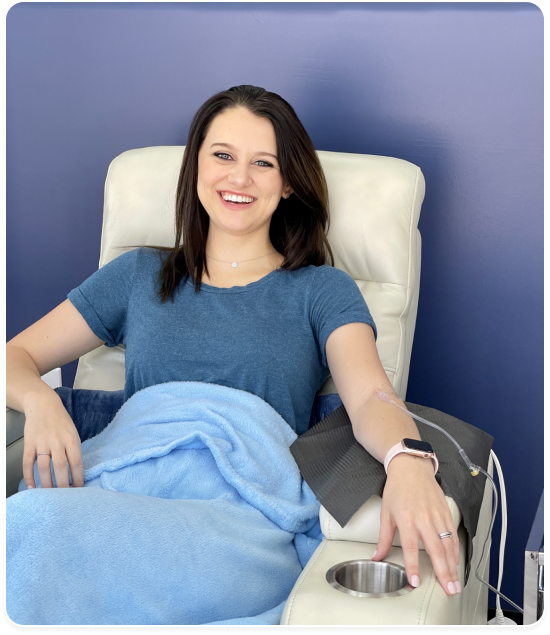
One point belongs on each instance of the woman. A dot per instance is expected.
(242, 300)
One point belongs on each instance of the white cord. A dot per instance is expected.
(499, 615)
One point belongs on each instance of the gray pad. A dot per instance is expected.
(343, 475)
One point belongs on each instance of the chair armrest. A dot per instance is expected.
(15, 425)
(314, 602)
(364, 525)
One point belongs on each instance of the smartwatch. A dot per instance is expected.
(421, 449)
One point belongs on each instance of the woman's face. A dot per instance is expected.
(239, 181)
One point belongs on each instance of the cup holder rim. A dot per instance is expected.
(332, 572)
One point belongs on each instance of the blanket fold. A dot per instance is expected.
(193, 512)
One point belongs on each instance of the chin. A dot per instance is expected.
(235, 227)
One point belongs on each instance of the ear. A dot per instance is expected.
(287, 191)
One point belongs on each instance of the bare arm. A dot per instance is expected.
(413, 502)
(58, 338)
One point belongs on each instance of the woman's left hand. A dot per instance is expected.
(414, 503)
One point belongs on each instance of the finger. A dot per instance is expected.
(60, 468)
(385, 537)
(74, 457)
(29, 455)
(409, 544)
(449, 549)
(436, 549)
(43, 464)
(453, 555)
(449, 523)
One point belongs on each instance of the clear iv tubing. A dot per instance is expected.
(474, 471)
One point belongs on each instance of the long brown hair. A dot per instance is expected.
(299, 224)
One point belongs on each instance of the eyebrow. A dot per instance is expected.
(228, 145)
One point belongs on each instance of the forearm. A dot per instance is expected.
(379, 425)
(24, 387)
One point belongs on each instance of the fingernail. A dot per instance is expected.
(458, 588)
(415, 581)
(452, 588)
(374, 554)
(30, 486)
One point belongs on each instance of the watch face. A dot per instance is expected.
(420, 446)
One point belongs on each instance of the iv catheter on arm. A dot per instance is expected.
(474, 471)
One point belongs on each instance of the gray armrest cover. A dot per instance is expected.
(343, 475)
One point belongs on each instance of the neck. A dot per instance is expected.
(238, 248)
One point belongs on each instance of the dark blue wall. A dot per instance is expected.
(456, 89)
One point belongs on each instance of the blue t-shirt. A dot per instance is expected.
(267, 337)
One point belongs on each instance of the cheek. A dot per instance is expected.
(208, 173)
(203, 188)
(274, 188)
(201, 191)
(206, 188)
(202, 176)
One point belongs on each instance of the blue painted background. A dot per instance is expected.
(456, 89)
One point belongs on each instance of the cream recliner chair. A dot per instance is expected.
(375, 206)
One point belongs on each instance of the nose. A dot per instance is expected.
(239, 174)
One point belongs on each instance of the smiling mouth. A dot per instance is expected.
(233, 199)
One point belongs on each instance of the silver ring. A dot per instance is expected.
(47, 453)
(446, 534)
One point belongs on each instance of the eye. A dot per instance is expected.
(222, 155)
(264, 164)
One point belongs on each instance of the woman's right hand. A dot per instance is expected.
(49, 428)
(57, 339)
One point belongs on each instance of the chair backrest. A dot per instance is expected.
(374, 210)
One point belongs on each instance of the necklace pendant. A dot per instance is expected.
(234, 264)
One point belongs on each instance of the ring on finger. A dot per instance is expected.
(47, 453)
(446, 534)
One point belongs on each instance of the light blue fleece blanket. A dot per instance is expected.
(193, 512)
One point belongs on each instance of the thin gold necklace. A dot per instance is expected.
(235, 264)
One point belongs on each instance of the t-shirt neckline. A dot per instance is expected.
(237, 289)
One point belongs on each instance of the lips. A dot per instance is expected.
(236, 204)
(236, 197)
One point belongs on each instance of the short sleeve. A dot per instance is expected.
(103, 298)
(335, 300)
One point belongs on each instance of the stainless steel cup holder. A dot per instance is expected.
(369, 579)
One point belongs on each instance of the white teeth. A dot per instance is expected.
(237, 198)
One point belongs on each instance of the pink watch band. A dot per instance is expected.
(398, 449)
